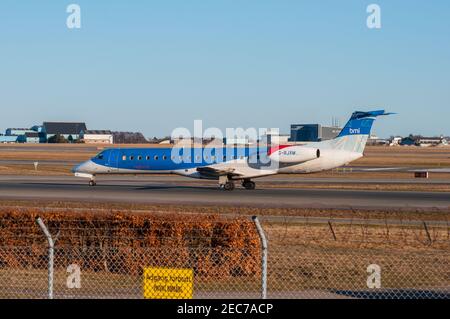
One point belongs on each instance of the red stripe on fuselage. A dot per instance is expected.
(277, 148)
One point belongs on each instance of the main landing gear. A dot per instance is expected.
(248, 184)
(227, 184)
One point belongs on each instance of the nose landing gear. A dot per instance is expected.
(91, 177)
(92, 181)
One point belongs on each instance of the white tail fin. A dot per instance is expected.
(356, 132)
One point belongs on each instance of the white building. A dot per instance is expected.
(273, 136)
(97, 137)
(395, 140)
(431, 141)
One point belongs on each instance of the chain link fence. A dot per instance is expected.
(303, 259)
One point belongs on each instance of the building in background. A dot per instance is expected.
(313, 132)
(374, 140)
(275, 137)
(431, 141)
(69, 130)
(23, 135)
(97, 137)
(418, 140)
(30, 137)
(8, 139)
(18, 131)
(409, 141)
(395, 140)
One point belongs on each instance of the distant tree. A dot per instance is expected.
(58, 138)
(70, 138)
(129, 138)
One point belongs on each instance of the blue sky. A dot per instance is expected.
(152, 66)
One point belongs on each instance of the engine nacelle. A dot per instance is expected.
(294, 154)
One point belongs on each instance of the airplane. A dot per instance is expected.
(237, 164)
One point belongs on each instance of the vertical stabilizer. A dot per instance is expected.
(356, 132)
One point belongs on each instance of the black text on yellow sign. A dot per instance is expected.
(168, 283)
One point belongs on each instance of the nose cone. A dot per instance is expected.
(87, 167)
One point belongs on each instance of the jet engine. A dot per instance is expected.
(294, 154)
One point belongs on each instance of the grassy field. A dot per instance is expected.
(405, 156)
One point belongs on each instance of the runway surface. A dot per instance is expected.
(178, 191)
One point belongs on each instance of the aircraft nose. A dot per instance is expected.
(85, 167)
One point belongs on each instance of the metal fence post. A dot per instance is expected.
(50, 255)
(263, 239)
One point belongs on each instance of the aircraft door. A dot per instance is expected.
(114, 160)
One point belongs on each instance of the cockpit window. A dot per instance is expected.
(100, 156)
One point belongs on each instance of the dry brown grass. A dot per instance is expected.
(43, 170)
(406, 214)
(405, 156)
(347, 235)
(128, 239)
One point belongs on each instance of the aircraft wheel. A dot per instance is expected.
(249, 185)
(228, 186)
(92, 183)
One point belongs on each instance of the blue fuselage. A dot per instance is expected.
(169, 159)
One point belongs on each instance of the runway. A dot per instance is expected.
(180, 191)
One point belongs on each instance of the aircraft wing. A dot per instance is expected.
(235, 170)
(216, 172)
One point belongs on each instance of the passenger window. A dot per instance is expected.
(147, 158)
(155, 158)
(139, 158)
(124, 158)
(164, 157)
(131, 158)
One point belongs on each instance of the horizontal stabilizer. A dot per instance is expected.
(361, 115)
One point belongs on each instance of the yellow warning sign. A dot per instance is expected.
(168, 283)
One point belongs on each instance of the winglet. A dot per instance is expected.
(360, 115)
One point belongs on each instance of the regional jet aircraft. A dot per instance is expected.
(237, 164)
